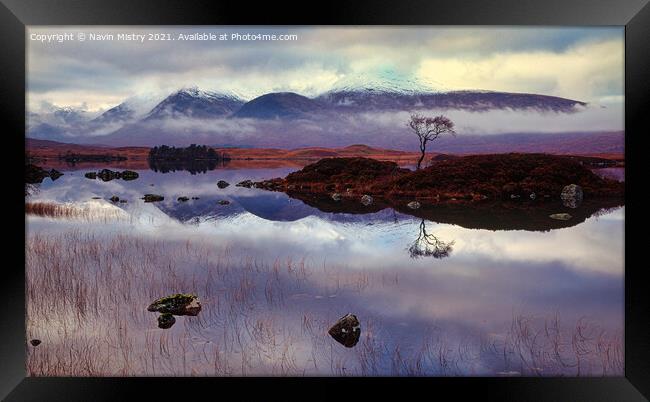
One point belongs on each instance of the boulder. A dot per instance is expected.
(533, 196)
(223, 184)
(35, 342)
(166, 321)
(129, 175)
(414, 205)
(114, 198)
(223, 202)
(336, 197)
(91, 175)
(177, 304)
(560, 217)
(571, 195)
(182, 199)
(108, 175)
(366, 200)
(152, 198)
(346, 330)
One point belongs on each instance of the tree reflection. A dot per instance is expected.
(428, 245)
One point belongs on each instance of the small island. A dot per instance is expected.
(195, 158)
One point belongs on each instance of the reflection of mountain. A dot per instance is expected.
(275, 207)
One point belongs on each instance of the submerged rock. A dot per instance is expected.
(223, 202)
(35, 342)
(336, 197)
(571, 195)
(366, 200)
(561, 216)
(166, 321)
(129, 175)
(152, 197)
(346, 331)
(182, 199)
(108, 175)
(223, 184)
(177, 304)
(414, 205)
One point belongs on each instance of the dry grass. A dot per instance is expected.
(87, 296)
(89, 212)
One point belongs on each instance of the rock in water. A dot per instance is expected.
(129, 175)
(183, 199)
(346, 331)
(571, 195)
(114, 198)
(166, 320)
(560, 217)
(35, 342)
(55, 174)
(222, 184)
(414, 205)
(366, 200)
(152, 197)
(178, 304)
(336, 197)
(91, 175)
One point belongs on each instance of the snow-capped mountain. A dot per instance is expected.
(196, 103)
(386, 82)
(131, 109)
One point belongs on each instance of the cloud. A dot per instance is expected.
(585, 72)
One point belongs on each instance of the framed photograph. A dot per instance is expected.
(217, 196)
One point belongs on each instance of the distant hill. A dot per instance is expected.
(280, 105)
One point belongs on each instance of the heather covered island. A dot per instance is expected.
(406, 202)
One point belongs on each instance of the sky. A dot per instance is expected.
(581, 63)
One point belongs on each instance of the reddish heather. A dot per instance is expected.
(473, 177)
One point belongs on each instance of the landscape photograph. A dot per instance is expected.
(324, 201)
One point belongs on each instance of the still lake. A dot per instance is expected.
(530, 295)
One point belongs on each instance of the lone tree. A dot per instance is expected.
(428, 129)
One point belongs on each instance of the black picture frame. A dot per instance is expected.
(633, 14)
